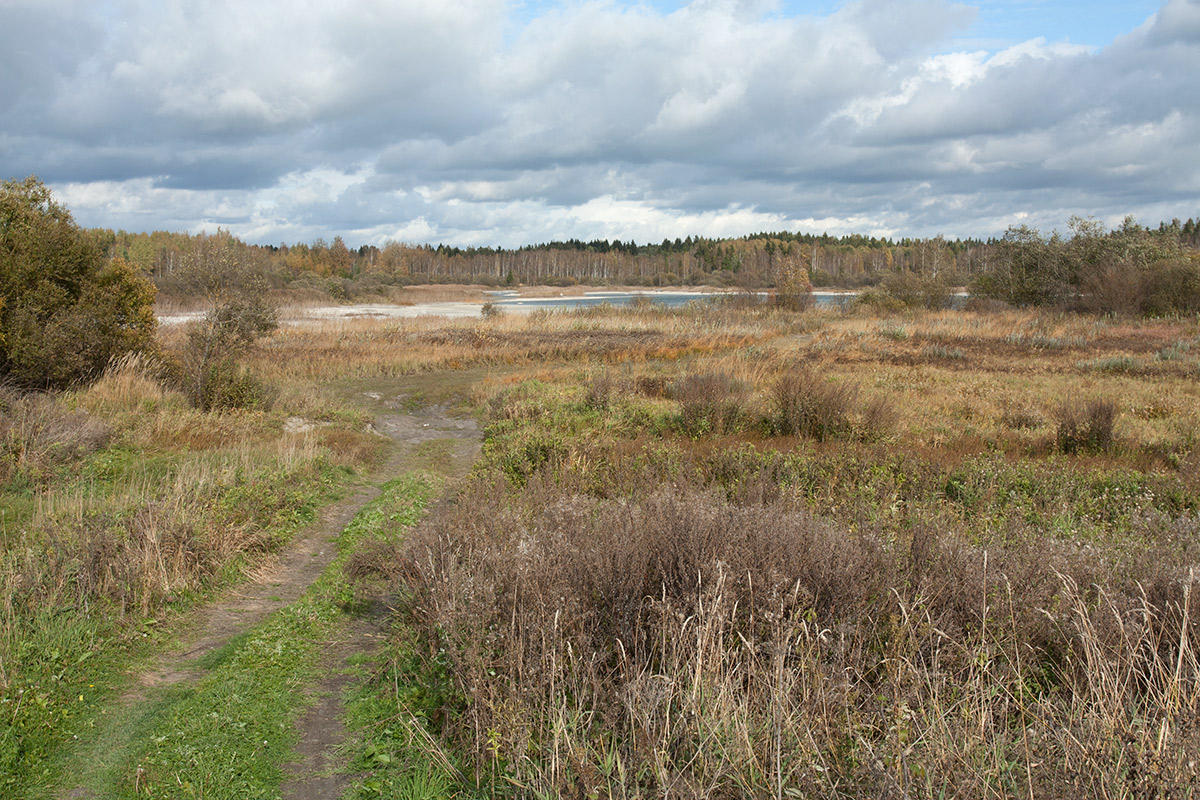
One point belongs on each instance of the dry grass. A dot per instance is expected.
(120, 497)
(637, 598)
(373, 348)
(681, 645)
(436, 293)
(38, 435)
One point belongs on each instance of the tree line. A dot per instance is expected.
(71, 299)
(1023, 266)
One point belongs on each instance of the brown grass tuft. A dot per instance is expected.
(39, 433)
(806, 404)
(1087, 427)
(710, 402)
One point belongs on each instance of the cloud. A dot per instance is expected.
(493, 122)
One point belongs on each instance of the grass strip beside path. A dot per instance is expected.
(229, 734)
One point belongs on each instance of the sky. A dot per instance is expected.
(514, 122)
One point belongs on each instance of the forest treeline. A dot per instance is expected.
(1113, 270)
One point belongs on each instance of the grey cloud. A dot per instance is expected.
(41, 45)
(1177, 21)
(721, 113)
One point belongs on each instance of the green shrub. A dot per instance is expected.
(65, 311)
(230, 385)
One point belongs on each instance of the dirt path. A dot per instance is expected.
(425, 439)
(314, 775)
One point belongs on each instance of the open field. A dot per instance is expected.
(706, 552)
(813, 555)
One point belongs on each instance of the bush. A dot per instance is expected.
(807, 405)
(642, 630)
(709, 403)
(1086, 428)
(600, 390)
(229, 385)
(651, 386)
(793, 288)
(878, 301)
(65, 311)
(985, 305)
(1172, 286)
(38, 434)
(917, 291)
(1018, 418)
(219, 273)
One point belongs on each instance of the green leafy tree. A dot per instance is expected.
(1029, 269)
(65, 309)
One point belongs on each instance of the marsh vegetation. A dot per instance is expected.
(714, 553)
(708, 551)
(721, 550)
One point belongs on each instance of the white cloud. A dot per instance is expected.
(451, 121)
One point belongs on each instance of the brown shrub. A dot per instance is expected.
(805, 404)
(599, 392)
(879, 418)
(710, 402)
(650, 625)
(1019, 418)
(1087, 427)
(654, 386)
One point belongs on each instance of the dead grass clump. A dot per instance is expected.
(1020, 418)
(38, 434)
(1087, 427)
(599, 392)
(652, 386)
(710, 402)
(132, 383)
(807, 405)
(879, 419)
(376, 560)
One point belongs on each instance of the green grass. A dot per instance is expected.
(66, 661)
(394, 752)
(230, 734)
(389, 705)
(67, 670)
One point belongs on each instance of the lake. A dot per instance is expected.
(512, 301)
(504, 301)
